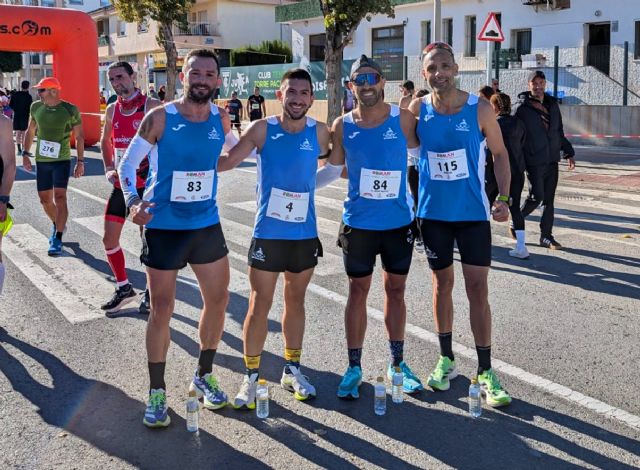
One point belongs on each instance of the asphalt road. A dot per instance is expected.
(565, 343)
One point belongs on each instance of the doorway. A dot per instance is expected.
(599, 46)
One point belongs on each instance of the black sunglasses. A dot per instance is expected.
(41, 90)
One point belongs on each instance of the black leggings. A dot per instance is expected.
(515, 191)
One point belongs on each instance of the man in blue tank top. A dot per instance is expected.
(378, 217)
(453, 128)
(285, 237)
(179, 213)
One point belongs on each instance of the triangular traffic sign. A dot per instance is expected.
(491, 30)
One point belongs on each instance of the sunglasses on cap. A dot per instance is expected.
(372, 78)
(437, 45)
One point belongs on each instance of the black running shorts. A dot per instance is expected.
(51, 175)
(117, 210)
(279, 256)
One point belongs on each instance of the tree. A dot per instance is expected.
(165, 13)
(10, 61)
(341, 19)
(268, 52)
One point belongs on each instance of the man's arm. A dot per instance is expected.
(332, 170)
(78, 132)
(264, 107)
(106, 145)
(8, 155)
(409, 124)
(253, 138)
(28, 139)
(492, 132)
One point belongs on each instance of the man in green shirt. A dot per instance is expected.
(52, 120)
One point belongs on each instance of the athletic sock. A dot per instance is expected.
(355, 357)
(156, 375)
(252, 363)
(205, 361)
(19, 148)
(59, 235)
(1, 276)
(446, 348)
(397, 352)
(115, 256)
(484, 358)
(520, 240)
(292, 356)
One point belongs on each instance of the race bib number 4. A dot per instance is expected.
(448, 166)
(379, 184)
(192, 186)
(288, 206)
(49, 149)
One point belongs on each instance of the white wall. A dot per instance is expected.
(241, 23)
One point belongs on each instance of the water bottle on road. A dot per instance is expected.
(192, 411)
(475, 401)
(262, 399)
(380, 399)
(396, 385)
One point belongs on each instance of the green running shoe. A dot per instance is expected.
(445, 370)
(493, 392)
(156, 415)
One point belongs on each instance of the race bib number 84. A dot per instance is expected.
(448, 166)
(192, 186)
(379, 184)
(288, 206)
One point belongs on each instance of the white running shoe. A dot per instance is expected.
(522, 254)
(298, 384)
(246, 397)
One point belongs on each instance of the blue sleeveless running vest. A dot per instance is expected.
(376, 160)
(287, 167)
(182, 179)
(451, 165)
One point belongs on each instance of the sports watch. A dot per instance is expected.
(506, 199)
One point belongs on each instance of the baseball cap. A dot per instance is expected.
(536, 74)
(48, 82)
(365, 61)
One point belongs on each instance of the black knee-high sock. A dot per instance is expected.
(205, 361)
(355, 357)
(446, 348)
(156, 375)
(484, 358)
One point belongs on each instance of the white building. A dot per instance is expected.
(590, 35)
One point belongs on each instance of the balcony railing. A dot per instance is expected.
(195, 29)
(103, 41)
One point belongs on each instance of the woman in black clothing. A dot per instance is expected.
(514, 136)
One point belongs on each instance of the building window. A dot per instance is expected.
(105, 3)
(122, 28)
(316, 47)
(425, 33)
(521, 41)
(447, 31)
(636, 49)
(388, 49)
(470, 36)
(75, 2)
(143, 26)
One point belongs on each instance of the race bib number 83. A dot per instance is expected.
(448, 166)
(192, 186)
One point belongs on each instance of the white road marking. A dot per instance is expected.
(73, 287)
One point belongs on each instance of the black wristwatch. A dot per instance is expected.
(26, 154)
(506, 199)
(4, 200)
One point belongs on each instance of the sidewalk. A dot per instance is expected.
(608, 168)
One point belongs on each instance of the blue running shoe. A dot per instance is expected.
(55, 247)
(207, 388)
(53, 232)
(410, 382)
(350, 384)
(156, 414)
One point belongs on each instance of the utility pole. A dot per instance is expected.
(437, 21)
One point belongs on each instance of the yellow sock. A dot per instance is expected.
(292, 355)
(252, 362)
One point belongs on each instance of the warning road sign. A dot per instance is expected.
(491, 30)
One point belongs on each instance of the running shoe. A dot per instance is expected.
(121, 297)
(156, 414)
(207, 388)
(444, 372)
(522, 254)
(246, 397)
(53, 232)
(55, 247)
(550, 242)
(350, 384)
(491, 389)
(298, 384)
(410, 382)
(145, 304)
(419, 246)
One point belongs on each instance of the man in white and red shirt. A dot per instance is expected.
(122, 120)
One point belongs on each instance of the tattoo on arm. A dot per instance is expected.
(146, 127)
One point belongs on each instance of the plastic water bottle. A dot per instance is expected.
(396, 386)
(262, 399)
(192, 411)
(475, 401)
(380, 400)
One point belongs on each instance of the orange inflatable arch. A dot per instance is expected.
(72, 37)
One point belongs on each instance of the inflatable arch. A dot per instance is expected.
(72, 37)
